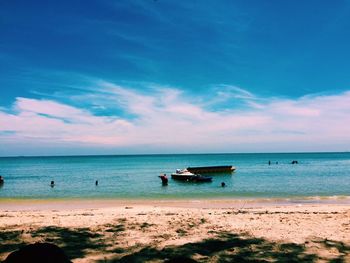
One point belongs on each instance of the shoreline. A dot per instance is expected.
(21, 204)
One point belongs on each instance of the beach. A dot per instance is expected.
(278, 212)
(160, 230)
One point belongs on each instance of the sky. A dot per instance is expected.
(168, 76)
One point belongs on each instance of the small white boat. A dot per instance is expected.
(185, 175)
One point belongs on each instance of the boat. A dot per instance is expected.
(185, 175)
(211, 169)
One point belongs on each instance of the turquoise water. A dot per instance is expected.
(136, 176)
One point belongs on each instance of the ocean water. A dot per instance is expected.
(136, 176)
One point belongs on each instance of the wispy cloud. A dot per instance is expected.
(168, 118)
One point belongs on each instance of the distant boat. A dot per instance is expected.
(185, 175)
(212, 169)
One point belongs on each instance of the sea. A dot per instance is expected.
(315, 176)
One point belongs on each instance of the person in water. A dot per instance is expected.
(96, 183)
(1, 180)
(52, 183)
(164, 179)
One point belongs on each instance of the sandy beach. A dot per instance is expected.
(157, 231)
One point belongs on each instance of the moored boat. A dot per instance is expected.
(212, 169)
(185, 175)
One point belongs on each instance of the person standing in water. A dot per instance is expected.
(164, 179)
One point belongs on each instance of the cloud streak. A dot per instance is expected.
(168, 119)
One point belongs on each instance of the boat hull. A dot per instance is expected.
(212, 169)
(191, 178)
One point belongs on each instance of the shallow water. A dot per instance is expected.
(136, 176)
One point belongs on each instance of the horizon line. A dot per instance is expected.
(157, 154)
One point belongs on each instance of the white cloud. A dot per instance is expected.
(230, 91)
(168, 119)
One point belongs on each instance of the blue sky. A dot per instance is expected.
(125, 76)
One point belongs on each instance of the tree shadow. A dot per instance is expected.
(341, 247)
(226, 247)
(75, 242)
(10, 240)
(223, 247)
(115, 228)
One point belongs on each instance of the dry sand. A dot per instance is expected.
(155, 231)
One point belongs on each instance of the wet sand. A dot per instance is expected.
(156, 231)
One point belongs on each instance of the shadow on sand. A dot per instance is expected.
(223, 247)
(226, 247)
(74, 242)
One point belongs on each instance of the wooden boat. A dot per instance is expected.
(185, 175)
(212, 169)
